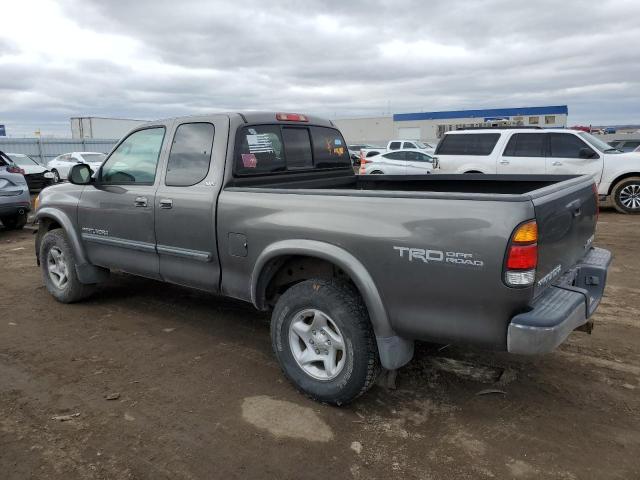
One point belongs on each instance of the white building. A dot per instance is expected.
(430, 126)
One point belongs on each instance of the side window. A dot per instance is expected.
(421, 157)
(394, 146)
(525, 145)
(136, 158)
(566, 145)
(297, 148)
(190, 154)
(468, 144)
(329, 148)
(408, 145)
(395, 155)
(259, 150)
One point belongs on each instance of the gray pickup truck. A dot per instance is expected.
(265, 207)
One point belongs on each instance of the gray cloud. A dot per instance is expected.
(336, 58)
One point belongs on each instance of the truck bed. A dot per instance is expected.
(469, 183)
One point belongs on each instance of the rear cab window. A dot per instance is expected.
(271, 149)
(468, 144)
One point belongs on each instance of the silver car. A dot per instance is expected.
(15, 202)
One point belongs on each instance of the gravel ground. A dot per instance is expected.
(153, 381)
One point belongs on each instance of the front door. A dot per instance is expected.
(186, 203)
(569, 154)
(116, 214)
(418, 163)
(524, 154)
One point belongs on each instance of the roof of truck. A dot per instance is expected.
(259, 117)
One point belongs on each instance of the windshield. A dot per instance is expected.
(94, 157)
(423, 145)
(23, 160)
(599, 144)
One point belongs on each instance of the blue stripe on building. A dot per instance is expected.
(492, 112)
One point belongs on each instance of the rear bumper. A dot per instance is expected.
(15, 209)
(562, 308)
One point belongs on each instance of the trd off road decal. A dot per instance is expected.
(95, 231)
(438, 256)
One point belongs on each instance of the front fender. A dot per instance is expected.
(394, 351)
(65, 222)
(87, 273)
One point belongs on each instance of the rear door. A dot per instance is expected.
(394, 163)
(569, 154)
(566, 217)
(185, 209)
(524, 154)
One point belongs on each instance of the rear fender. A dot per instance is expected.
(394, 351)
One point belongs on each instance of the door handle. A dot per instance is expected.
(166, 203)
(504, 162)
(575, 207)
(556, 163)
(141, 201)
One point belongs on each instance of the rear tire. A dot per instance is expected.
(14, 222)
(626, 195)
(324, 342)
(58, 265)
(376, 172)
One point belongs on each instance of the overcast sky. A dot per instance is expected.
(153, 59)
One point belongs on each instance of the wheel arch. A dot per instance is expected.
(394, 351)
(49, 219)
(620, 178)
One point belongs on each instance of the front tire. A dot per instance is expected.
(324, 342)
(56, 176)
(626, 195)
(14, 222)
(58, 265)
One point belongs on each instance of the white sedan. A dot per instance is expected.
(61, 165)
(397, 162)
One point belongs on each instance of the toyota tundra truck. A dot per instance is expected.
(265, 208)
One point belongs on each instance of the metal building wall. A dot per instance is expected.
(46, 149)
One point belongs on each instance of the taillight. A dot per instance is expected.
(522, 256)
(594, 187)
(363, 162)
(291, 117)
(15, 170)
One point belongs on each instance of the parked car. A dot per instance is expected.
(61, 165)
(609, 130)
(549, 151)
(398, 162)
(627, 145)
(15, 201)
(37, 176)
(266, 208)
(400, 145)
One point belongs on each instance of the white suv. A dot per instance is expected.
(544, 151)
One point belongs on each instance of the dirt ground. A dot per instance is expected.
(160, 382)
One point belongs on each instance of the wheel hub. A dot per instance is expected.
(317, 344)
(630, 196)
(57, 267)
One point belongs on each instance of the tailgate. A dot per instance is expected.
(566, 214)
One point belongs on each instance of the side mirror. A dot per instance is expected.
(80, 174)
(586, 153)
